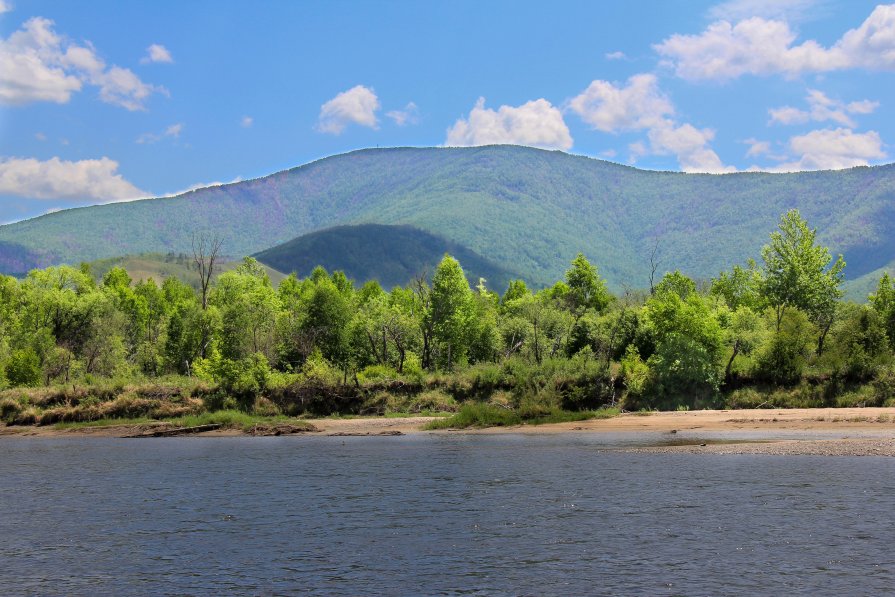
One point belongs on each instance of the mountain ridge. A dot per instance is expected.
(527, 207)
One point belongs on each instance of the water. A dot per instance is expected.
(489, 515)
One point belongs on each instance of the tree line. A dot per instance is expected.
(773, 322)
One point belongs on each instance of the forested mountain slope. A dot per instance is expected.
(524, 209)
(392, 255)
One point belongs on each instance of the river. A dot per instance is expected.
(559, 514)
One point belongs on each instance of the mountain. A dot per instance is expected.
(391, 255)
(524, 209)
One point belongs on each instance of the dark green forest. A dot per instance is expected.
(773, 331)
(391, 255)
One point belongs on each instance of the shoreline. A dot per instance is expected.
(866, 431)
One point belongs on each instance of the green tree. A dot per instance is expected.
(745, 330)
(586, 289)
(883, 301)
(798, 273)
(741, 287)
(249, 306)
(452, 310)
(689, 343)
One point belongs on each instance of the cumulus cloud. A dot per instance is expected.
(822, 108)
(832, 149)
(757, 148)
(690, 145)
(641, 105)
(536, 123)
(156, 53)
(358, 105)
(58, 179)
(615, 55)
(409, 115)
(760, 46)
(172, 132)
(246, 122)
(5, 6)
(38, 65)
(611, 108)
(788, 115)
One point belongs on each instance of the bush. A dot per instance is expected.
(263, 407)
(9, 409)
(784, 359)
(23, 369)
(477, 415)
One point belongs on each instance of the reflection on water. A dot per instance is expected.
(509, 514)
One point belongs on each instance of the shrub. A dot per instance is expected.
(9, 409)
(23, 369)
(477, 415)
(263, 407)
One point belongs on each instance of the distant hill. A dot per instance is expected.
(159, 267)
(391, 255)
(523, 209)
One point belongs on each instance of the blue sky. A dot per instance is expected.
(106, 101)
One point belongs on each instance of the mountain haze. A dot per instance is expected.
(526, 210)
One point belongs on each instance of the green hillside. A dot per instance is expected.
(159, 267)
(392, 255)
(525, 209)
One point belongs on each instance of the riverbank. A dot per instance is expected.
(865, 431)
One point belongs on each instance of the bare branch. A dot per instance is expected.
(206, 251)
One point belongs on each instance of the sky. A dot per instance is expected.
(110, 101)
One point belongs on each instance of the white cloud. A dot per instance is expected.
(358, 105)
(832, 149)
(788, 115)
(58, 179)
(536, 123)
(638, 150)
(5, 6)
(615, 55)
(172, 131)
(609, 108)
(156, 53)
(760, 46)
(37, 65)
(641, 105)
(785, 10)
(40, 136)
(409, 115)
(246, 122)
(690, 145)
(821, 109)
(757, 148)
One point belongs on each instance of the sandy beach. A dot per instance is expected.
(834, 431)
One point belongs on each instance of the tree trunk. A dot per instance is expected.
(736, 350)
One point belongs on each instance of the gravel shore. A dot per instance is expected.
(833, 447)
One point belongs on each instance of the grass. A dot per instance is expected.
(422, 413)
(568, 416)
(486, 415)
(387, 415)
(231, 419)
(478, 415)
(106, 423)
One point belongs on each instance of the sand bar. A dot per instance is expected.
(833, 431)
